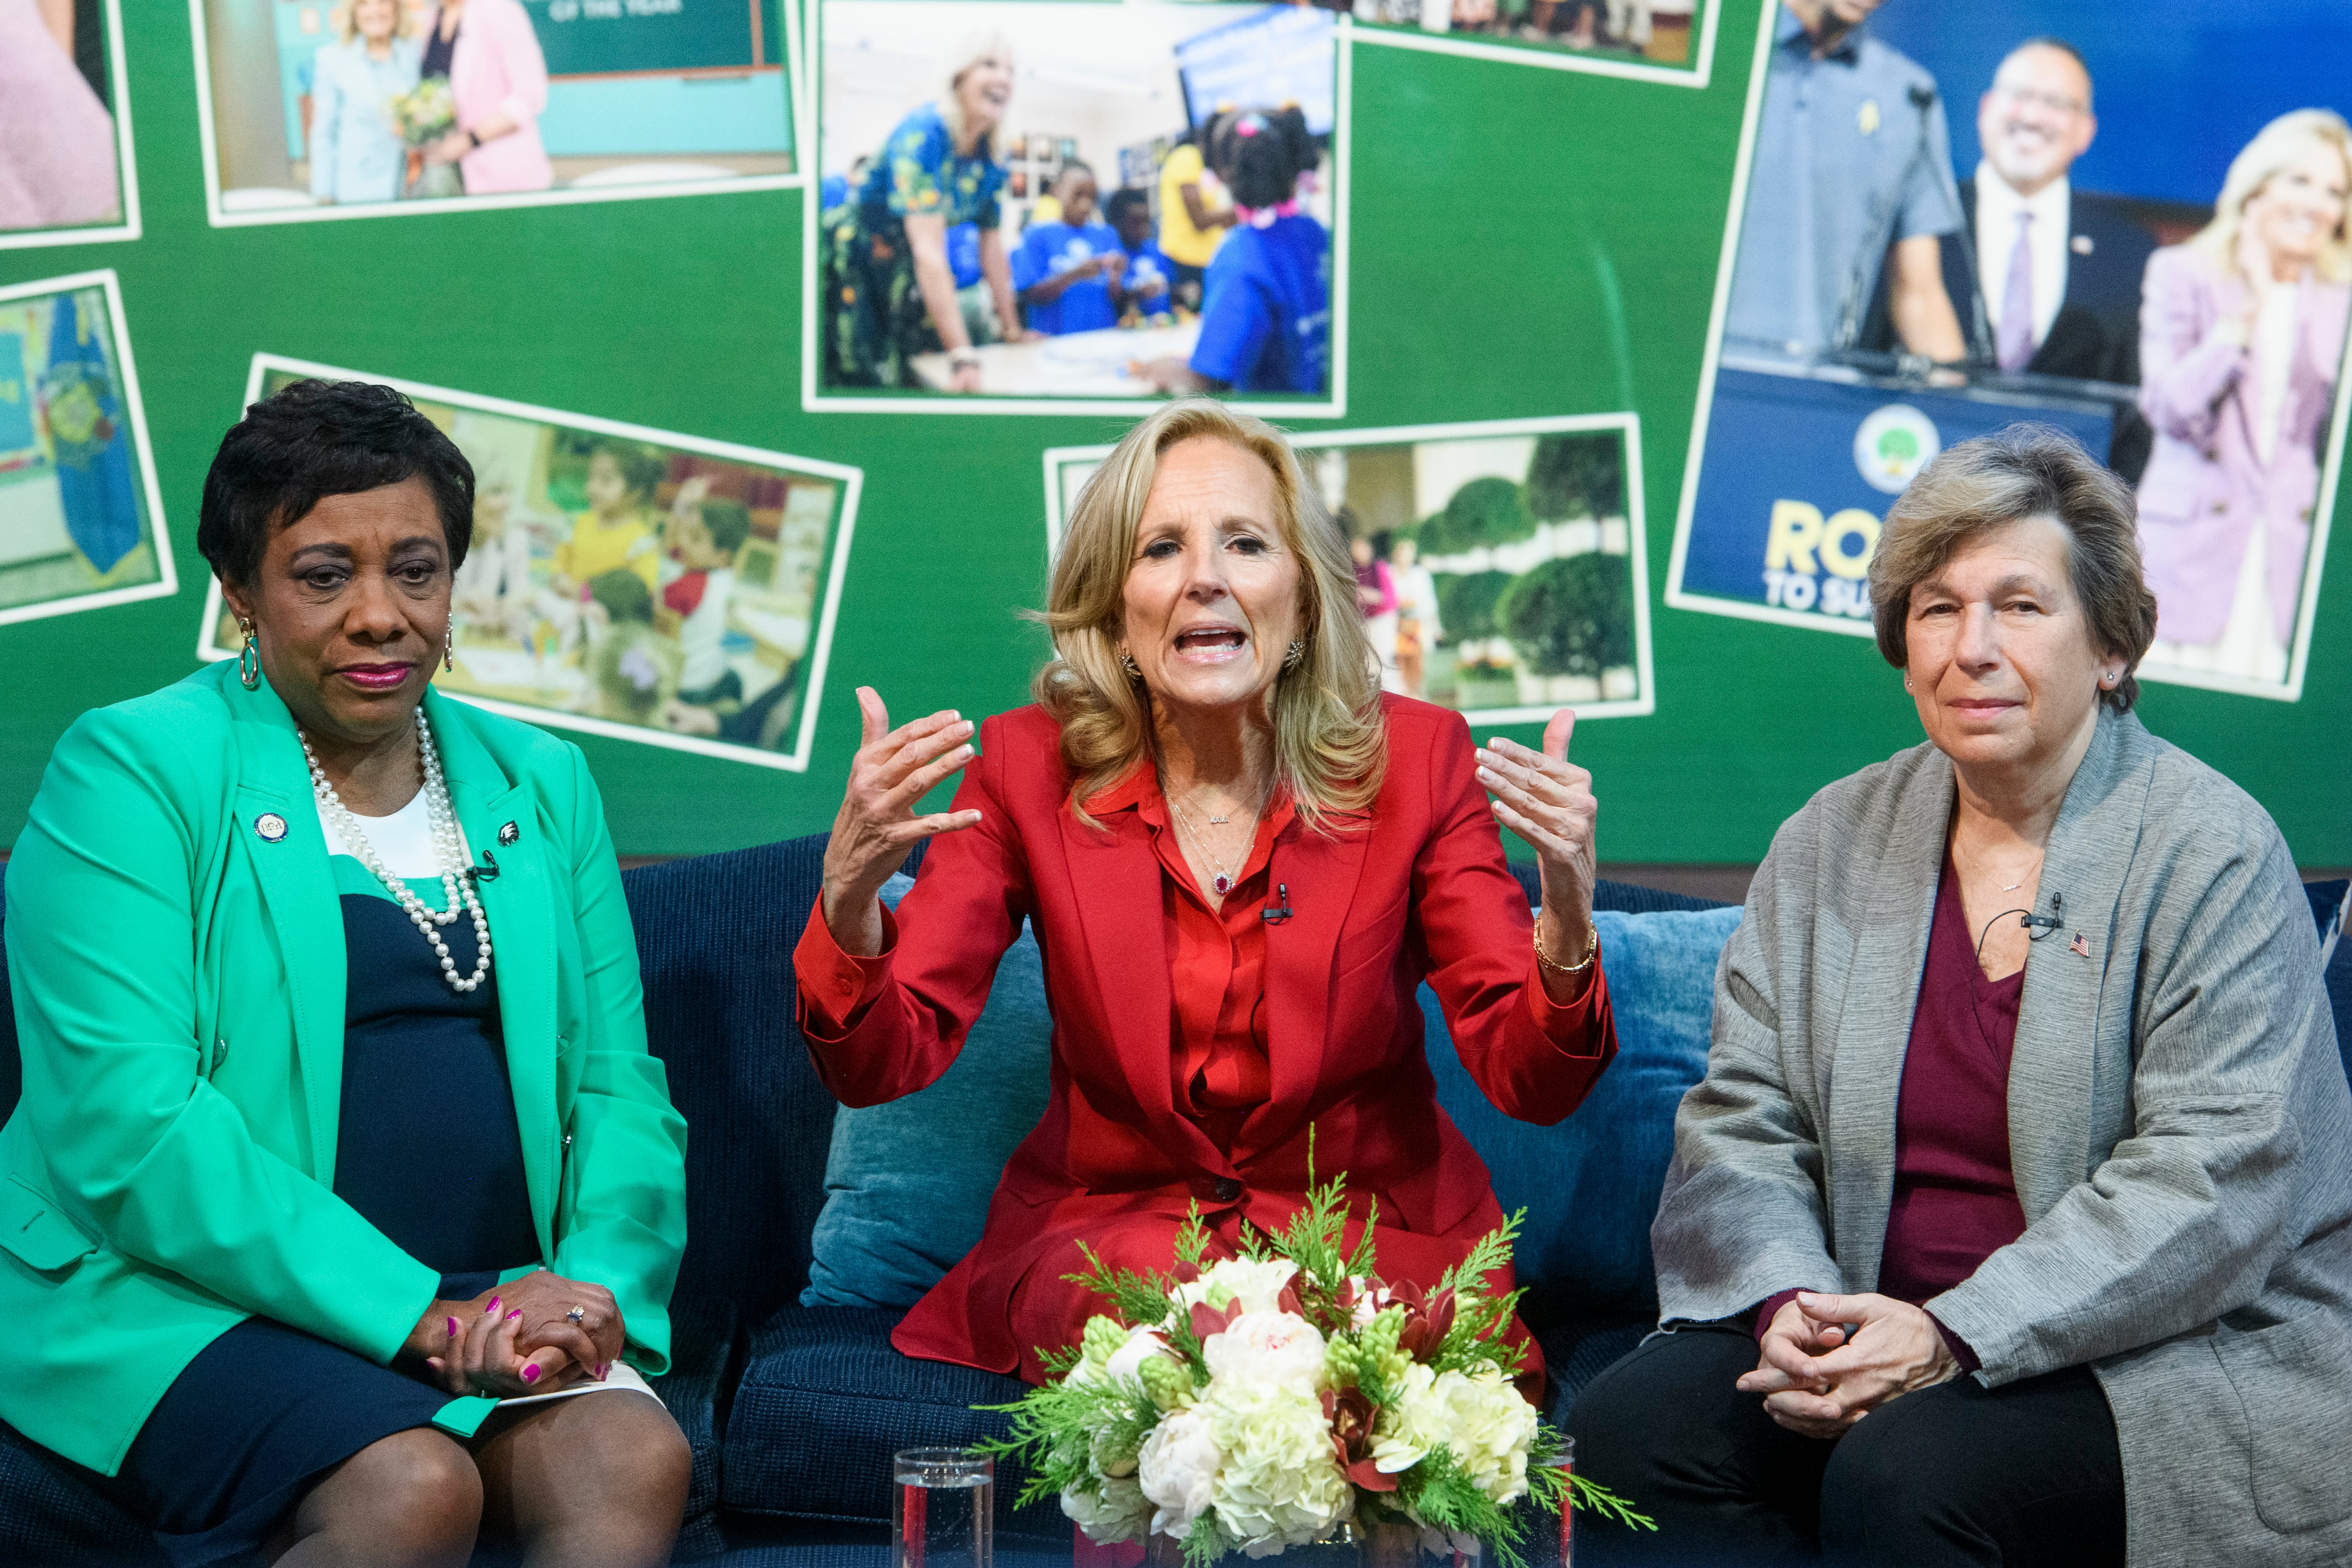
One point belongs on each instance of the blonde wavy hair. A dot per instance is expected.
(1330, 745)
(975, 47)
(345, 19)
(2275, 146)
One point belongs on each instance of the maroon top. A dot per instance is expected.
(1955, 1198)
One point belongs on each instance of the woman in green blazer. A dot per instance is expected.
(302, 1185)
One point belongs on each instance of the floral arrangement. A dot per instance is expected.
(420, 117)
(1257, 1402)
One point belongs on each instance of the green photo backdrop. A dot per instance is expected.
(1525, 242)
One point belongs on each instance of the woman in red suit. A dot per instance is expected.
(1240, 859)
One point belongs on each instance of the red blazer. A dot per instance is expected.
(1416, 888)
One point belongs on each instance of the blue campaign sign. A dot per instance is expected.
(1799, 472)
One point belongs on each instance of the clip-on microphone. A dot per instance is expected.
(487, 871)
(1280, 910)
(2050, 921)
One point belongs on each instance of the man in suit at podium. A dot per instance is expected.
(2054, 271)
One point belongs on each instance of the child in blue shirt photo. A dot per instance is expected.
(1265, 304)
(1066, 272)
(1145, 288)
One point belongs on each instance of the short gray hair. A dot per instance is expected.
(1978, 486)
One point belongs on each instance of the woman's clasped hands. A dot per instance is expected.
(1829, 1361)
(520, 1338)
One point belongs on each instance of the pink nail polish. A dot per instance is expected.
(493, 1309)
(515, 1316)
(453, 1328)
(530, 1374)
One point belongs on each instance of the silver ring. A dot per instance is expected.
(577, 1314)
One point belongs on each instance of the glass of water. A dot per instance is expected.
(943, 1508)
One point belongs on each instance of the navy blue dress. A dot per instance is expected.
(429, 1152)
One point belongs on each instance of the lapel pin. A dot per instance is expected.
(2080, 946)
(509, 834)
(2081, 245)
(270, 825)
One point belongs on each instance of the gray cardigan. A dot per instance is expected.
(2179, 1130)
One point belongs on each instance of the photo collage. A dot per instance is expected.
(1938, 225)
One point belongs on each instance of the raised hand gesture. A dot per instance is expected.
(1548, 801)
(876, 827)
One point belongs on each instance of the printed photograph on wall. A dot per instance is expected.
(1670, 41)
(81, 519)
(327, 109)
(1068, 206)
(1500, 566)
(66, 172)
(628, 581)
(1951, 220)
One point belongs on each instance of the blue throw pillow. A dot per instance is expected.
(1590, 1184)
(907, 1185)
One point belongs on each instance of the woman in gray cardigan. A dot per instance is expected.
(2023, 1132)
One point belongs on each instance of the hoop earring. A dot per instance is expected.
(448, 652)
(1297, 653)
(248, 658)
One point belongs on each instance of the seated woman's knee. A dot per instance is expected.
(1893, 1471)
(415, 1497)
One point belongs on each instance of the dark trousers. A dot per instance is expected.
(2025, 1475)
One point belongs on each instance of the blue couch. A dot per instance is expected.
(793, 1411)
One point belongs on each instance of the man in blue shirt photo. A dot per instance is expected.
(1851, 175)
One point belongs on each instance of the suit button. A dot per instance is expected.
(1227, 1189)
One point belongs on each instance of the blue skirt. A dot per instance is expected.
(428, 1151)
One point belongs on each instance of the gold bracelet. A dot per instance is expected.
(1591, 952)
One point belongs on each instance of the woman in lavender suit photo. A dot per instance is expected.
(2242, 337)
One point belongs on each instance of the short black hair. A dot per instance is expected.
(1124, 200)
(318, 438)
(642, 469)
(623, 594)
(1259, 153)
(726, 522)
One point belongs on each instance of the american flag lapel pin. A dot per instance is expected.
(2080, 946)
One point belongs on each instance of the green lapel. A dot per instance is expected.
(299, 890)
(522, 940)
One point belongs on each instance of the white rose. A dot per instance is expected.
(1178, 1470)
(1117, 1513)
(1280, 1484)
(1268, 1347)
(1256, 1286)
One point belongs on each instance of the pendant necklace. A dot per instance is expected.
(447, 849)
(1223, 880)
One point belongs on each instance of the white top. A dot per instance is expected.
(403, 842)
(701, 634)
(1998, 204)
(2273, 343)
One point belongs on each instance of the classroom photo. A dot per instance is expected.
(633, 584)
(1500, 567)
(1023, 203)
(81, 517)
(2050, 213)
(319, 109)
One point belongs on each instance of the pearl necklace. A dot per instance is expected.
(447, 849)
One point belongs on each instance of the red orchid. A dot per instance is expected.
(1208, 1319)
(1428, 1319)
(1351, 1416)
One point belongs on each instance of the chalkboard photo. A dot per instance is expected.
(615, 38)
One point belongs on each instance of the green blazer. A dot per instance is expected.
(179, 994)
